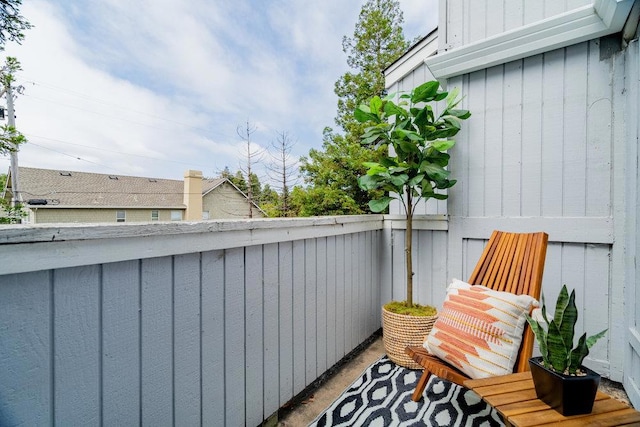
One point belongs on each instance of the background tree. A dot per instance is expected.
(252, 156)
(333, 171)
(10, 138)
(282, 170)
(12, 24)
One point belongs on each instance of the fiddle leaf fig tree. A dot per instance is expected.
(417, 132)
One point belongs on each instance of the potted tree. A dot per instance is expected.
(559, 377)
(417, 133)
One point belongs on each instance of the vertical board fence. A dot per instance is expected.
(203, 327)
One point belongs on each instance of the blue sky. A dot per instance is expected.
(155, 87)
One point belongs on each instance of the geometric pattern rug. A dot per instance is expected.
(382, 397)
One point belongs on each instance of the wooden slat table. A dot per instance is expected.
(514, 397)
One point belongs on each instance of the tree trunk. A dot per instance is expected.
(407, 248)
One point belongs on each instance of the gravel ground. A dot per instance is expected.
(614, 390)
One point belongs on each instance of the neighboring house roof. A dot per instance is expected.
(83, 189)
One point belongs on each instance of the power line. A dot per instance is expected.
(113, 151)
(120, 108)
(70, 155)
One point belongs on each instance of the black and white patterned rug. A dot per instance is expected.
(382, 397)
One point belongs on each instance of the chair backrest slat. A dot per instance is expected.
(514, 262)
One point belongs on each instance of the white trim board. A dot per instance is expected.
(602, 18)
(411, 60)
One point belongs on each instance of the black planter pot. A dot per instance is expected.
(569, 395)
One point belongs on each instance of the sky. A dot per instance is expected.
(155, 87)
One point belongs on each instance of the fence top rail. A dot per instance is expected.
(26, 248)
(33, 233)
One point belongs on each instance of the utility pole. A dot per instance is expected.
(16, 198)
(11, 138)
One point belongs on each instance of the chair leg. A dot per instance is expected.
(417, 394)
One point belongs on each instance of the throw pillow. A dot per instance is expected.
(479, 330)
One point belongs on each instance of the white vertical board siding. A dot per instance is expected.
(186, 339)
(192, 339)
(26, 349)
(213, 324)
(77, 340)
(468, 21)
(285, 321)
(120, 342)
(540, 144)
(156, 341)
(632, 226)
(539, 138)
(429, 264)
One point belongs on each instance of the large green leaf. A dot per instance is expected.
(381, 204)
(452, 123)
(443, 144)
(541, 337)
(370, 140)
(408, 147)
(391, 109)
(425, 92)
(445, 183)
(375, 104)
(434, 171)
(397, 169)
(593, 338)
(412, 135)
(577, 355)
(561, 304)
(558, 350)
(452, 98)
(461, 114)
(416, 180)
(438, 196)
(426, 187)
(569, 318)
(368, 182)
(399, 180)
(363, 116)
(440, 96)
(388, 162)
(544, 309)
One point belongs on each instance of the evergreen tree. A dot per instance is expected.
(12, 24)
(377, 41)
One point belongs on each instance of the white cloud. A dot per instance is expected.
(155, 87)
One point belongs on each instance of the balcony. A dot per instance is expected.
(182, 323)
(214, 323)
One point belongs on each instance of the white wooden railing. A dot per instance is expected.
(205, 323)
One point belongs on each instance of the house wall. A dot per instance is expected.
(632, 226)
(209, 323)
(462, 22)
(62, 215)
(225, 202)
(543, 142)
(544, 150)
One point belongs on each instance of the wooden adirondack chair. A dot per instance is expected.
(511, 262)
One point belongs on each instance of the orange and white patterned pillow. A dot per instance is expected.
(479, 330)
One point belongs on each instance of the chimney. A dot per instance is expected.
(193, 195)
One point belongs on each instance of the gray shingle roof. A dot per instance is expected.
(83, 189)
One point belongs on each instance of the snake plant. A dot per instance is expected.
(556, 340)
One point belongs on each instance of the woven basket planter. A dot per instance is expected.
(400, 331)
